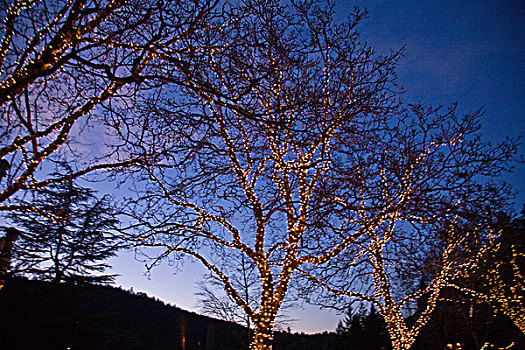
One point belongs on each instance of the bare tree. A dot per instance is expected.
(60, 63)
(427, 208)
(244, 277)
(210, 291)
(254, 157)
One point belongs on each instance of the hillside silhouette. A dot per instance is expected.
(41, 315)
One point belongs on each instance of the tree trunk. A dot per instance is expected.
(263, 337)
(400, 335)
(403, 343)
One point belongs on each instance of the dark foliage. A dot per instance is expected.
(362, 330)
(453, 324)
(42, 315)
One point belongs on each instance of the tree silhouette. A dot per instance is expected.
(362, 330)
(213, 301)
(68, 239)
(350, 328)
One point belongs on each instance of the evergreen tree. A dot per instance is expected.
(376, 332)
(350, 329)
(360, 330)
(344, 325)
(65, 236)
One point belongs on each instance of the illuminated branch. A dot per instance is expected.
(56, 80)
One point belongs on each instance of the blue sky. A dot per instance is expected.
(469, 52)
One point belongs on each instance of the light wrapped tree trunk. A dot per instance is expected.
(263, 333)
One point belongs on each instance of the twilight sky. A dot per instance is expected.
(469, 52)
